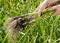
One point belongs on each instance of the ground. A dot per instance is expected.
(46, 29)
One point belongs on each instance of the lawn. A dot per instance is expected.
(46, 29)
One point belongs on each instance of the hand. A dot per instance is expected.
(43, 6)
(51, 2)
(57, 7)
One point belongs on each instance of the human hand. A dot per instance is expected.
(51, 2)
(45, 5)
(57, 7)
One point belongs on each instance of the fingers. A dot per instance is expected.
(57, 7)
(45, 4)
(51, 2)
(54, 7)
(41, 6)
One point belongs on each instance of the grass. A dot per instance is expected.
(46, 29)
